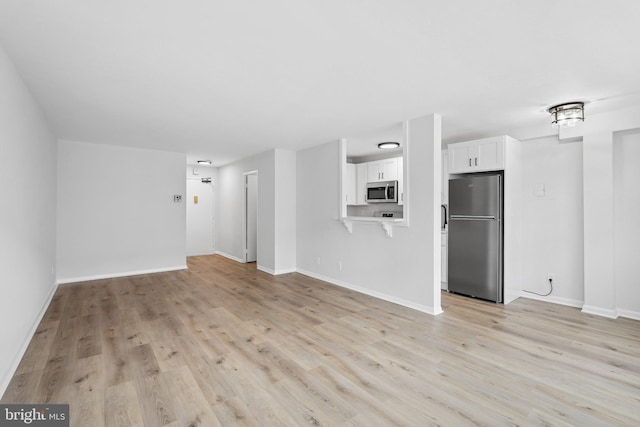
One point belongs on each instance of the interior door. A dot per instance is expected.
(251, 217)
(200, 220)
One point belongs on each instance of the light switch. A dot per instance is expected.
(195, 171)
(539, 190)
(195, 199)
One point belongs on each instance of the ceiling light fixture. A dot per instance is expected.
(567, 115)
(387, 145)
(204, 162)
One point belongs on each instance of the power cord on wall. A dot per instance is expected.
(543, 295)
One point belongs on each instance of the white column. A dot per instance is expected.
(424, 170)
(599, 285)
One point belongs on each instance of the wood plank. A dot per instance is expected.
(121, 407)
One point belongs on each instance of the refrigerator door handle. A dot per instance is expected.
(472, 218)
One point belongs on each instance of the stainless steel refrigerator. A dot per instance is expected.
(475, 235)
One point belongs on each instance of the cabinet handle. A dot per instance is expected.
(382, 173)
(476, 161)
(469, 161)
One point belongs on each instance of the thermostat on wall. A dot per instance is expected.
(177, 198)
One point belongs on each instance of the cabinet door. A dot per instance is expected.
(490, 154)
(361, 183)
(389, 169)
(460, 157)
(443, 266)
(350, 189)
(400, 181)
(374, 172)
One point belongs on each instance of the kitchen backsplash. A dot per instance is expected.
(376, 210)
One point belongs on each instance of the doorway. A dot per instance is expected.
(250, 218)
(200, 217)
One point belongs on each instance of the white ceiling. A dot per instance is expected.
(224, 79)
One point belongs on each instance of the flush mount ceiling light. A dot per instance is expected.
(568, 114)
(204, 162)
(387, 145)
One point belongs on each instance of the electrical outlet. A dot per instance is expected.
(551, 276)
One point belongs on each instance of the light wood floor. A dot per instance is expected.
(225, 344)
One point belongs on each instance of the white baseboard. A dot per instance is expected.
(276, 272)
(16, 362)
(555, 300)
(202, 253)
(226, 255)
(598, 311)
(629, 314)
(123, 274)
(587, 309)
(379, 295)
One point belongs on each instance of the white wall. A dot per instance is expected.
(116, 213)
(27, 217)
(626, 176)
(593, 192)
(276, 198)
(404, 268)
(552, 219)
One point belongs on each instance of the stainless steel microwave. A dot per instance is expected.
(382, 192)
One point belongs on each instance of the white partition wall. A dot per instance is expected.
(404, 268)
(27, 217)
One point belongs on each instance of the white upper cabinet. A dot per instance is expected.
(400, 181)
(356, 184)
(361, 184)
(476, 156)
(350, 190)
(383, 170)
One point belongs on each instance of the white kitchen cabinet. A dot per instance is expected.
(382, 170)
(445, 178)
(478, 155)
(400, 181)
(361, 184)
(355, 184)
(350, 185)
(443, 261)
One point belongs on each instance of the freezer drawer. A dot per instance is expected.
(475, 258)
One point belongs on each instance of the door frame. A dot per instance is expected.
(245, 183)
